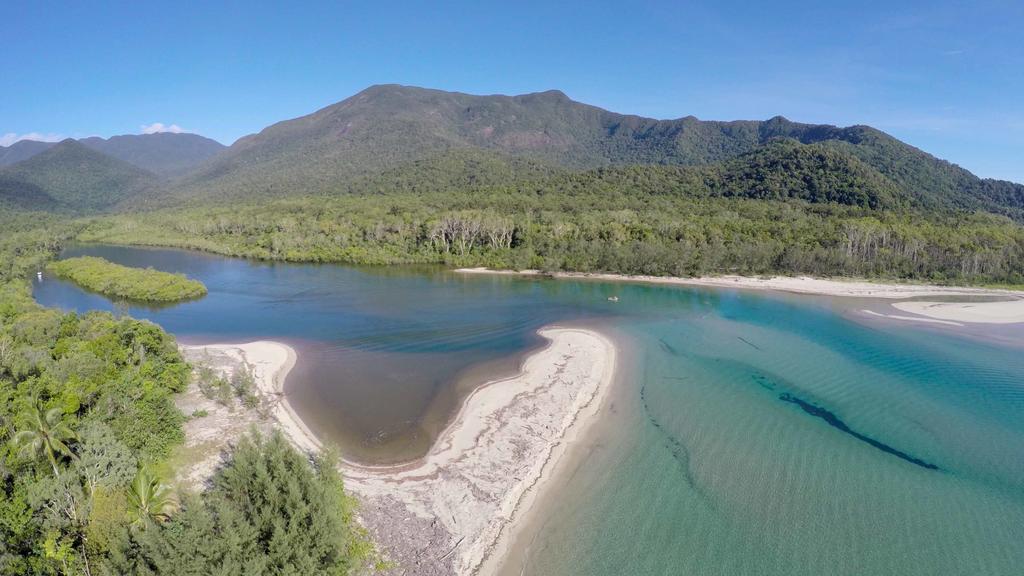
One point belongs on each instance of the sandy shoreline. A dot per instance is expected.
(1010, 311)
(796, 284)
(455, 511)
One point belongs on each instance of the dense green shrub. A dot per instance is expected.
(269, 512)
(124, 282)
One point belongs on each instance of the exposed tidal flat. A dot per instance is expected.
(749, 433)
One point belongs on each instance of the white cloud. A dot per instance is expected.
(10, 137)
(161, 127)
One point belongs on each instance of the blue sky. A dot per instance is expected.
(945, 76)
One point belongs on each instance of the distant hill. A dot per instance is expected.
(165, 154)
(21, 150)
(387, 128)
(73, 177)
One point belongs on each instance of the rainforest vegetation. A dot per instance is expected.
(124, 282)
(87, 428)
(609, 229)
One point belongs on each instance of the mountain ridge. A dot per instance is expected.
(74, 177)
(387, 126)
(167, 154)
(22, 150)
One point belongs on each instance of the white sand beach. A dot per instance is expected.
(795, 284)
(455, 510)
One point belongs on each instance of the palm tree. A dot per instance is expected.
(150, 500)
(47, 434)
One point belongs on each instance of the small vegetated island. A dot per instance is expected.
(116, 281)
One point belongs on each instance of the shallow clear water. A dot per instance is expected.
(751, 433)
(909, 458)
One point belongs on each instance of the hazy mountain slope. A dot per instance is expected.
(76, 178)
(164, 154)
(21, 150)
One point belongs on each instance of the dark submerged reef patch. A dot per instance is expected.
(835, 422)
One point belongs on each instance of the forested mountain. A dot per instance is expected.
(928, 181)
(21, 150)
(72, 177)
(165, 154)
(389, 127)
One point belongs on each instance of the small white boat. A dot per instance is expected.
(39, 276)
(613, 298)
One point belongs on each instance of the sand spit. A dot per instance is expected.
(800, 285)
(454, 511)
(486, 468)
(1008, 312)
